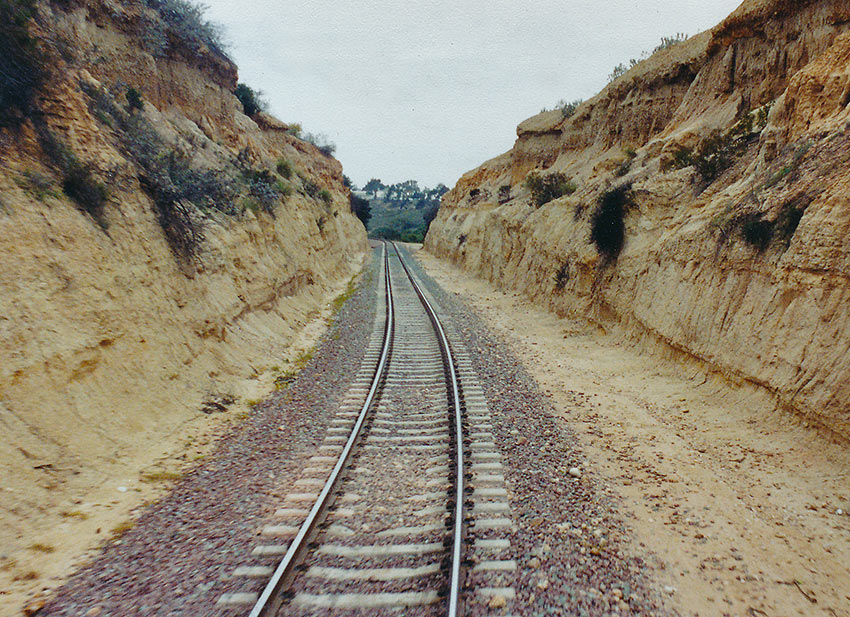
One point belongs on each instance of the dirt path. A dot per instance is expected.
(744, 509)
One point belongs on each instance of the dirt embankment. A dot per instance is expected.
(727, 244)
(119, 321)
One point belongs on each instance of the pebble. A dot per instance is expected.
(669, 589)
(575, 472)
(534, 562)
(839, 511)
(498, 601)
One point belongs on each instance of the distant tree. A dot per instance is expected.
(361, 209)
(373, 186)
(346, 181)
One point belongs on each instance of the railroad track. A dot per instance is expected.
(381, 509)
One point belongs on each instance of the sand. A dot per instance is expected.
(740, 509)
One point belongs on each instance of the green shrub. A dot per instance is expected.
(283, 188)
(284, 168)
(325, 196)
(546, 188)
(22, 63)
(607, 225)
(134, 99)
(252, 100)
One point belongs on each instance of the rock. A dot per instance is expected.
(575, 472)
(32, 608)
(839, 511)
(534, 562)
(543, 583)
(497, 601)
(94, 612)
(669, 589)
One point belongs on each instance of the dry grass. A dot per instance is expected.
(30, 575)
(41, 548)
(75, 514)
(161, 476)
(121, 528)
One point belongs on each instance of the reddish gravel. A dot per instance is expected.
(178, 558)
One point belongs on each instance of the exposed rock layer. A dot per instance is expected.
(746, 272)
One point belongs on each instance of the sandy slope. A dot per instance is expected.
(738, 503)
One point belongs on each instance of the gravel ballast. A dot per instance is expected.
(179, 556)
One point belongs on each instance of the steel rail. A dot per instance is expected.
(287, 565)
(457, 542)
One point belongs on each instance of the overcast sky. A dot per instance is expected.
(431, 89)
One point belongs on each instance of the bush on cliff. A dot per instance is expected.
(546, 188)
(21, 62)
(185, 21)
(252, 100)
(607, 226)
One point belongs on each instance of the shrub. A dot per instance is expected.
(310, 188)
(153, 36)
(79, 184)
(294, 129)
(134, 99)
(21, 61)
(322, 142)
(670, 41)
(361, 208)
(429, 215)
(790, 216)
(325, 196)
(185, 22)
(252, 100)
(607, 226)
(546, 188)
(568, 108)
(504, 193)
(683, 157)
(562, 276)
(283, 188)
(36, 183)
(284, 168)
(757, 232)
(262, 187)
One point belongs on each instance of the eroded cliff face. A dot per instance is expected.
(739, 261)
(111, 336)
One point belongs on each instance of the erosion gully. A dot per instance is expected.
(384, 516)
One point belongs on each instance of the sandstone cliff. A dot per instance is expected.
(119, 318)
(711, 213)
